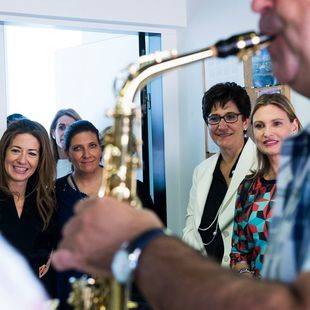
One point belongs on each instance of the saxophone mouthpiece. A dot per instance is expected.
(244, 43)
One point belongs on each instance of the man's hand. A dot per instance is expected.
(98, 229)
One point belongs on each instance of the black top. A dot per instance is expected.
(26, 234)
(67, 197)
(212, 237)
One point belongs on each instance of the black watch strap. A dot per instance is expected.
(126, 259)
(141, 241)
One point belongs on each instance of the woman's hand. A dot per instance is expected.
(243, 268)
(44, 268)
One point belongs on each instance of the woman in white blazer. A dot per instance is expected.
(210, 213)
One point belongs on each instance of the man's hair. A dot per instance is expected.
(220, 94)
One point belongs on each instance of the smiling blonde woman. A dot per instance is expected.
(273, 120)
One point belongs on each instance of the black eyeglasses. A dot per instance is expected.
(230, 117)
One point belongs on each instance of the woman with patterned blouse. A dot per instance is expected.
(273, 119)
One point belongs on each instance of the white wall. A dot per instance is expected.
(172, 139)
(146, 12)
(3, 93)
(302, 106)
(84, 75)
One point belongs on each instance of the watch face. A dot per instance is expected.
(126, 259)
(120, 266)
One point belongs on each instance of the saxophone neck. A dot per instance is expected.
(149, 66)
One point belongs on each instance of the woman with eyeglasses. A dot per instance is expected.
(209, 222)
(273, 119)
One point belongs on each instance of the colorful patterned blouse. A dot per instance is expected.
(251, 222)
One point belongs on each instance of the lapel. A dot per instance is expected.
(247, 161)
(203, 185)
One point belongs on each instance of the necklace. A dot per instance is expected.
(76, 187)
(214, 233)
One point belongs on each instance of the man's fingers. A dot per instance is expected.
(84, 203)
(64, 259)
(69, 235)
(87, 203)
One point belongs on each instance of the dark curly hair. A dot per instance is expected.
(221, 93)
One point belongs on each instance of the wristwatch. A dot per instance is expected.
(125, 260)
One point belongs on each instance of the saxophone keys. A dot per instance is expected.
(138, 114)
(121, 192)
(110, 113)
(136, 163)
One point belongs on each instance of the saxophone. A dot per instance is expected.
(121, 151)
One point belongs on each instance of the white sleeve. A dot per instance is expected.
(190, 233)
(19, 288)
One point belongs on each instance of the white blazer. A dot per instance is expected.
(202, 179)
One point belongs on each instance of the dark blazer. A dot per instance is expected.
(26, 234)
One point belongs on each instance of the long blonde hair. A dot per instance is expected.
(42, 181)
(285, 105)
